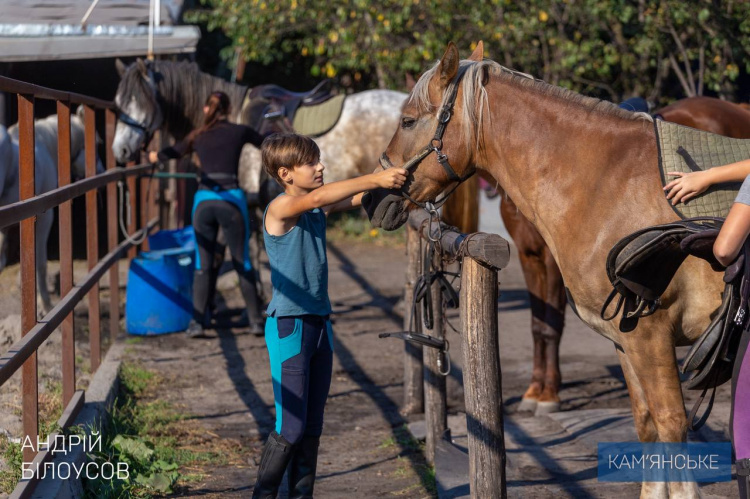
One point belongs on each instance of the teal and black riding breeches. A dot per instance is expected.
(301, 353)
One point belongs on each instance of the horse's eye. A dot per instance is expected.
(407, 122)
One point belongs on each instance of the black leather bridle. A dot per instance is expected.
(143, 128)
(131, 122)
(436, 145)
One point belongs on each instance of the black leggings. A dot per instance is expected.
(208, 217)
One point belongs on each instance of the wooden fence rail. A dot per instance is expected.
(22, 354)
(482, 256)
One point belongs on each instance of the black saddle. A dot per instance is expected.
(641, 266)
(272, 107)
(321, 93)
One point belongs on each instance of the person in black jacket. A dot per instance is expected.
(219, 202)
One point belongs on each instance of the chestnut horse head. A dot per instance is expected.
(433, 130)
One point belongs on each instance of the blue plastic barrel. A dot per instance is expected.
(160, 284)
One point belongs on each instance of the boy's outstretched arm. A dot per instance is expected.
(291, 207)
(347, 204)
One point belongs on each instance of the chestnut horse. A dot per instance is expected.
(585, 173)
(542, 276)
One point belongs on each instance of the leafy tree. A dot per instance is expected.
(610, 48)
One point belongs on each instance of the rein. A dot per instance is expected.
(436, 146)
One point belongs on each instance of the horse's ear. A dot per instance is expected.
(449, 65)
(410, 82)
(478, 53)
(141, 64)
(80, 111)
(120, 66)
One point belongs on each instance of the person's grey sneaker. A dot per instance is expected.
(194, 330)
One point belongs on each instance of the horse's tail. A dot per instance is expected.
(462, 207)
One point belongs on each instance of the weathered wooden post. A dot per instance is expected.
(435, 395)
(413, 364)
(482, 380)
(482, 256)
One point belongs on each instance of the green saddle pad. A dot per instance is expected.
(707, 150)
(319, 119)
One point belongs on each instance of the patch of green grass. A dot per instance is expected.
(406, 441)
(10, 474)
(424, 471)
(50, 410)
(133, 340)
(135, 381)
(351, 226)
(407, 444)
(153, 437)
(387, 443)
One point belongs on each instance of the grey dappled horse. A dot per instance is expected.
(169, 96)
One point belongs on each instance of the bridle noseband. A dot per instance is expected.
(131, 122)
(436, 145)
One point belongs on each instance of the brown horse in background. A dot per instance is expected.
(541, 273)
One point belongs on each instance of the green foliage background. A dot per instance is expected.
(613, 49)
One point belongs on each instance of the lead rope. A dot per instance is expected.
(124, 198)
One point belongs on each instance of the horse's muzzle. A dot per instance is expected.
(384, 208)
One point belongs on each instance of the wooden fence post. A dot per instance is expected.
(482, 380)
(66, 251)
(413, 363)
(92, 237)
(26, 176)
(113, 221)
(436, 412)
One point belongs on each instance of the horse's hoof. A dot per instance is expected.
(527, 405)
(543, 408)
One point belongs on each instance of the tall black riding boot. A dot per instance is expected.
(743, 477)
(303, 467)
(273, 462)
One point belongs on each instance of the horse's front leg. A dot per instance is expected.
(43, 227)
(651, 361)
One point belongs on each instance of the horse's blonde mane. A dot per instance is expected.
(473, 90)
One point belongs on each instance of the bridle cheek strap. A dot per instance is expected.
(436, 146)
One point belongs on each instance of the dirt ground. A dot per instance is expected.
(223, 384)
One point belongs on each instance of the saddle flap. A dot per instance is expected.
(647, 263)
(641, 265)
(731, 273)
(704, 346)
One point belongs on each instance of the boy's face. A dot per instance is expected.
(306, 177)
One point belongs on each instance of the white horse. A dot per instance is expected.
(45, 167)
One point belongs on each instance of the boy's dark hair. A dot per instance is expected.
(288, 150)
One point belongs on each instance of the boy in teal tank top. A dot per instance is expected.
(298, 331)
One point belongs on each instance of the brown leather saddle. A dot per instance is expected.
(641, 266)
(272, 108)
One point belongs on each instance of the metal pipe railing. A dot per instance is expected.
(21, 87)
(22, 354)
